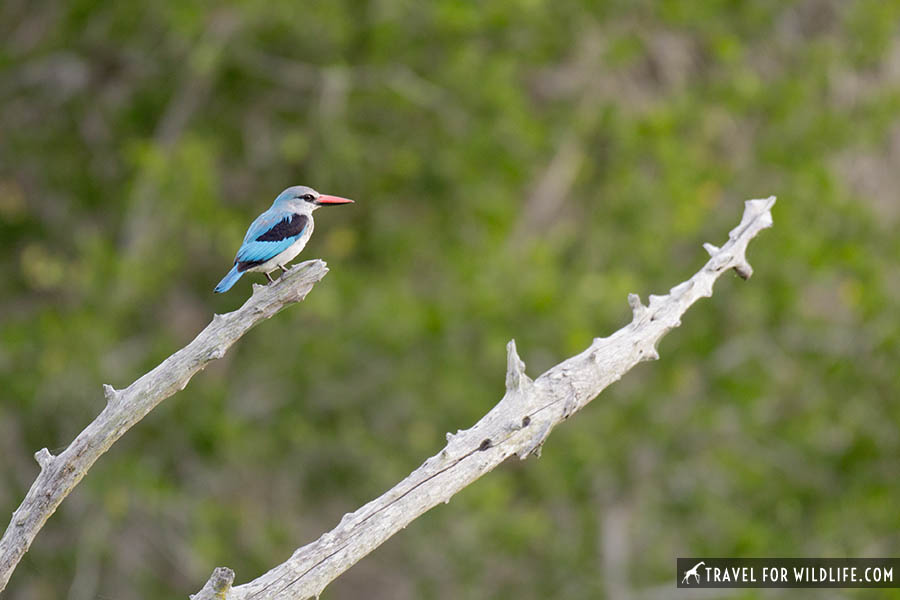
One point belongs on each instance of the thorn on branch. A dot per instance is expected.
(743, 269)
(710, 249)
(345, 519)
(649, 353)
(516, 379)
(44, 458)
(638, 310)
(646, 349)
(111, 393)
(452, 436)
(218, 585)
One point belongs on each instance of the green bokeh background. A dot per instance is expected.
(519, 168)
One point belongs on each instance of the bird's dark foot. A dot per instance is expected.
(269, 277)
(283, 270)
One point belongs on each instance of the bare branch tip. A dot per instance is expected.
(757, 215)
(760, 204)
(760, 209)
(311, 265)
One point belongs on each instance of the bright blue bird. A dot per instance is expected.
(278, 235)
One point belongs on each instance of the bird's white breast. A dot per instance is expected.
(287, 255)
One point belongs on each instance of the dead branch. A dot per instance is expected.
(124, 408)
(516, 426)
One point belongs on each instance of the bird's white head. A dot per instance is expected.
(302, 199)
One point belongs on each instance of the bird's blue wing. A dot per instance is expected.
(265, 222)
(268, 236)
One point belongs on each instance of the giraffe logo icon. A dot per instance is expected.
(692, 572)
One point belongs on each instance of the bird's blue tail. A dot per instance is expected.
(229, 280)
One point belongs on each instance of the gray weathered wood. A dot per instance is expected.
(516, 426)
(124, 408)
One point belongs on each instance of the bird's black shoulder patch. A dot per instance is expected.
(285, 228)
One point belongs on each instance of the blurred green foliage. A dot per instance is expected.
(519, 168)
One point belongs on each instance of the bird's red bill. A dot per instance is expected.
(325, 199)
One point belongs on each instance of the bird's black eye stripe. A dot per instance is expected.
(308, 197)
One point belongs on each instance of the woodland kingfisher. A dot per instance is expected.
(278, 235)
